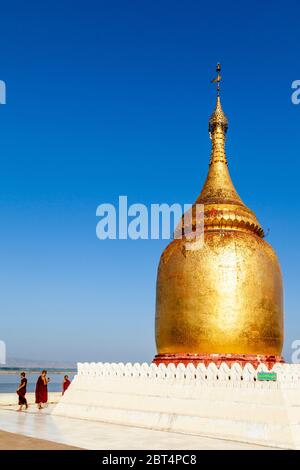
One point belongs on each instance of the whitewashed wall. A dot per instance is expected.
(228, 403)
(237, 376)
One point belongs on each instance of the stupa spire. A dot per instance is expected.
(217, 126)
(218, 187)
(223, 205)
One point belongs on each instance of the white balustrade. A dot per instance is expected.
(236, 375)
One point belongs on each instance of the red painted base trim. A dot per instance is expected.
(206, 359)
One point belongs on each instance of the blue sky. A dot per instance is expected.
(111, 98)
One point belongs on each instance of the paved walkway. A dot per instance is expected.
(94, 435)
(11, 441)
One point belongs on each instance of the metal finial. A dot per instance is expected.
(218, 78)
(218, 117)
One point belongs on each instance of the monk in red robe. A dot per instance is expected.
(41, 389)
(65, 384)
(21, 391)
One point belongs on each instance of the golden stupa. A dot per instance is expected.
(223, 301)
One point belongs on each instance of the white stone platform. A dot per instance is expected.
(95, 435)
(225, 403)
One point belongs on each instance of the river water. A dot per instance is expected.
(9, 382)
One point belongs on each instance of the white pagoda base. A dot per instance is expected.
(225, 403)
